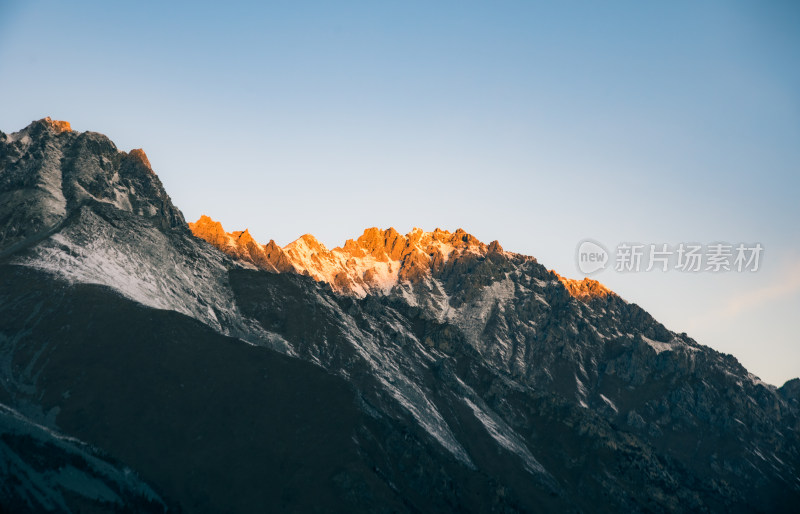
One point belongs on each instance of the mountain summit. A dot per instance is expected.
(149, 366)
(50, 172)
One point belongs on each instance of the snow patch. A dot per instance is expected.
(658, 346)
(609, 403)
(472, 317)
(150, 270)
(506, 437)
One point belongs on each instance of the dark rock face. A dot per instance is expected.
(45, 471)
(210, 421)
(480, 382)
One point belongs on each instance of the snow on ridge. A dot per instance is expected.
(581, 387)
(327, 266)
(506, 437)
(383, 361)
(149, 271)
(609, 402)
(757, 381)
(658, 346)
(474, 316)
(95, 263)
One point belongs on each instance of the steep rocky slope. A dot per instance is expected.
(576, 339)
(424, 372)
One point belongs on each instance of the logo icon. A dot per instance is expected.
(592, 257)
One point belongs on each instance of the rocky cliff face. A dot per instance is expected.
(445, 374)
(574, 338)
(49, 172)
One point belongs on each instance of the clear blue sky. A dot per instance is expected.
(532, 124)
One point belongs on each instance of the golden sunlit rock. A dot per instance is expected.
(58, 126)
(241, 246)
(376, 261)
(209, 230)
(139, 154)
(494, 247)
(585, 289)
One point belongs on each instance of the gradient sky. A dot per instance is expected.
(533, 124)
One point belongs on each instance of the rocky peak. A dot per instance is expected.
(45, 124)
(139, 155)
(791, 392)
(36, 130)
(57, 126)
(585, 289)
(48, 171)
(209, 230)
(382, 244)
(307, 243)
(244, 238)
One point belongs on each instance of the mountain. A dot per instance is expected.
(425, 372)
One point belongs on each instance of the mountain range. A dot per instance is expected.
(153, 365)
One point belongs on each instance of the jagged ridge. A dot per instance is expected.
(375, 262)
